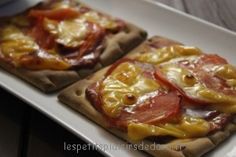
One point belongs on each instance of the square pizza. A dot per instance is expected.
(163, 94)
(58, 42)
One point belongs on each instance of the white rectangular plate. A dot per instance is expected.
(157, 19)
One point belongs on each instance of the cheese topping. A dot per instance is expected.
(18, 48)
(158, 56)
(188, 127)
(168, 57)
(69, 33)
(225, 71)
(194, 88)
(125, 86)
(103, 21)
(72, 32)
(56, 27)
(61, 5)
(15, 44)
(90, 15)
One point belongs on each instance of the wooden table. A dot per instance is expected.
(26, 132)
(220, 12)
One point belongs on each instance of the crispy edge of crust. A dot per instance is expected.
(74, 96)
(45, 80)
(50, 81)
(121, 43)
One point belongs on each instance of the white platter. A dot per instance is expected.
(157, 19)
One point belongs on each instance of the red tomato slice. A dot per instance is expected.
(41, 36)
(215, 83)
(159, 75)
(158, 109)
(202, 73)
(93, 43)
(208, 77)
(93, 40)
(211, 59)
(57, 14)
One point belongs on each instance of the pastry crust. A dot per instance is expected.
(116, 45)
(74, 96)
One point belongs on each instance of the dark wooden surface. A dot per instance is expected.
(220, 12)
(47, 139)
(12, 124)
(27, 133)
(24, 132)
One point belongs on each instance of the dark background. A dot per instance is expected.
(24, 132)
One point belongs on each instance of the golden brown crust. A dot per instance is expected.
(157, 40)
(116, 46)
(45, 80)
(74, 96)
(122, 43)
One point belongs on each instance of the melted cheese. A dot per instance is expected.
(195, 89)
(222, 102)
(103, 21)
(189, 127)
(178, 76)
(217, 97)
(60, 5)
(230, 108)
(125, 86)
(15, 44)
(158, 56)
(225, 71)
(91, 16)
(69, 33)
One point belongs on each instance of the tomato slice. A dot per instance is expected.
(187, 98)
(93, 40)
(41, 36)
(44, 39)
(158, 109)
(57, 14)
(199, 79)
(136, 95)
(211, 59)
(92, 44)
